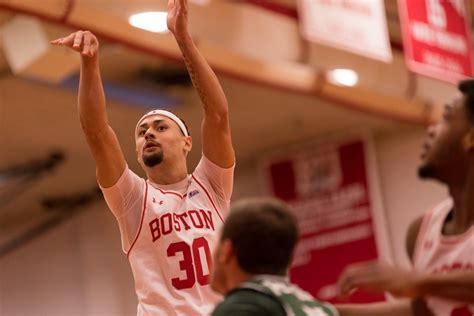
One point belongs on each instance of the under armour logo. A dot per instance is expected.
(193, 193)
(154, 201)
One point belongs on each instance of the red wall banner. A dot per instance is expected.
(332, 190)
(437, 38)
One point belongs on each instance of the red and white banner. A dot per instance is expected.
(332, 189)
(437, 38)
(357, 26)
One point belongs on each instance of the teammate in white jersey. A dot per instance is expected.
(168, 222)
(441, 243)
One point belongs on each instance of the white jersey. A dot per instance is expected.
(169, 240)
(438, 253)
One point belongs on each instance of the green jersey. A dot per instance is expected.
(272, 295)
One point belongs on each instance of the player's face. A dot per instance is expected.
(443, 154)
(159, 138)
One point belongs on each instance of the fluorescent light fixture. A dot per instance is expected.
(343, 77)
(150, 21)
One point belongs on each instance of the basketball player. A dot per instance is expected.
(251, 261)
(168, 222)
(441, 243)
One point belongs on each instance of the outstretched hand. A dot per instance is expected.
(83, 42)
(177, 19)
(379, 277)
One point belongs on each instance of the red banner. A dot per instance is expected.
(437, 38)
(331, 191)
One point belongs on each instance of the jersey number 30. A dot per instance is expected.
(191, 263)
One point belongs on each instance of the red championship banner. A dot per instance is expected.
(437, 38)
(332, 189)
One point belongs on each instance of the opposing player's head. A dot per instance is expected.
(447, 150)
(258, 237)
(161, 136)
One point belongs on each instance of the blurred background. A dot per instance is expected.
(297, 74)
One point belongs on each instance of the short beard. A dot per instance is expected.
(426, 171)
(153, 159)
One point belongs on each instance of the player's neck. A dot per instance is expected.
(237, 277)
(463, 207)
(166, 174)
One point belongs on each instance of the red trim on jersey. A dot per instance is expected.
(422, 232)
(168, 192)
(141, 220)
(209, 197)
(454, 239)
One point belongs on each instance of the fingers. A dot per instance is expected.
(182, 7)
(86, 45)
(65, 41)
(83, 42)
(375, 277)
(78, 40)
(171, 6)
(346, 282)
(178, 7)
(357, 275)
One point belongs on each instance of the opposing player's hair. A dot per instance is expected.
(263, 233)
(467, 88)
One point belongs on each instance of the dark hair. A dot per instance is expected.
(467, 88)
(263, 233)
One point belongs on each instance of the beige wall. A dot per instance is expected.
(405, 197)
(79, 269)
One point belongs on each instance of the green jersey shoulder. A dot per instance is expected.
(295, 301)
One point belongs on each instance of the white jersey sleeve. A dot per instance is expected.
(219, 180)
(125, 200)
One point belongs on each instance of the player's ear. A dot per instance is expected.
(226, 251)
(188, 144)
(139, 159)
(468, 140)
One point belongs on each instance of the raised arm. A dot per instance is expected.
(216, 136)
(101, 138)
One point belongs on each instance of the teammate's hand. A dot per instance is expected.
(83, 42)
(177, 19)
(379, 277)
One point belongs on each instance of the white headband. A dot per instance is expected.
(169, 115)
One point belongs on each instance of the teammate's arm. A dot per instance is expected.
(101, 138)
(456, 285)
(381, 278)
(216, 136)
(376, 309)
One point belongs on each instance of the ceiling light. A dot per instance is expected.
(150, 21)
(343, 77)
